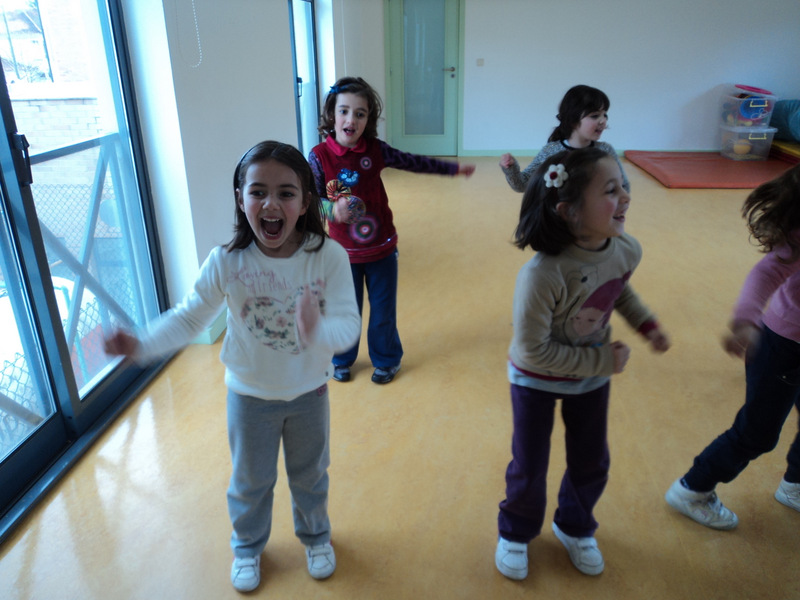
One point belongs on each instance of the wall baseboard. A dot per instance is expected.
(211, 335)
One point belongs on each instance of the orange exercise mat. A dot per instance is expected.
(705, 169)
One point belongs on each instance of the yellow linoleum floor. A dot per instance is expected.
(417, 465)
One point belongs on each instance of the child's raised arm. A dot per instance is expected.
(659, 340)
(308, 314)
(121, 343)
(418, 163)
(743, 335)
(507, 160)
(466, 170)
(622, 353)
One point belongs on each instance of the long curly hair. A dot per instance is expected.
(309, 223)
(772, 213)
(351, 85)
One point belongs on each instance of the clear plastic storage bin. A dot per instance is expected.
(745, 106)
(746, 143)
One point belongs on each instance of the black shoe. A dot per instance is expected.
(385, 374)
(341, 373)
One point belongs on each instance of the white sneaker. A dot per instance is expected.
(788, 494)
(321, 561)
(583, 552)
(246, 573)
(511, 559)
(703, 507)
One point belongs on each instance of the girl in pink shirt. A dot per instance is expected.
(765, 329)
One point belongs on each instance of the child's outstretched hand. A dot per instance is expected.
(621, 355)
(341, 210)
(743, 335)
(308, 313)
(121, 343)
(507, 160)
(466, 170)
(658, 340)
(348, 209)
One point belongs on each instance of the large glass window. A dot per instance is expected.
(25, 398)
(78, 252)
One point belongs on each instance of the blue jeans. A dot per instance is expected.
(380, 277)
(585, 420)
(773, 387)
(255, 430)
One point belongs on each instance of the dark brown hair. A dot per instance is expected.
(540, 225)
(309, 223)
(578, 102)
(772, 212)
(351, 85)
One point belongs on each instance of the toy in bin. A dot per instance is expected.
(746, 143)
(746, 106)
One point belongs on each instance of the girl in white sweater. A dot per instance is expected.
(291, 307)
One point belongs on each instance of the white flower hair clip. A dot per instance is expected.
(556, 176)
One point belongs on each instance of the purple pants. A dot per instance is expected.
(585, 421)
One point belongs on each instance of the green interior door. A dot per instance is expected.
(422, 102)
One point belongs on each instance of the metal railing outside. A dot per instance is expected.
(86, 228)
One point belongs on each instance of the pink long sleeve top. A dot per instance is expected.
(771, 293)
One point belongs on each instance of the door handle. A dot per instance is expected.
(451, 69)
(21, 144)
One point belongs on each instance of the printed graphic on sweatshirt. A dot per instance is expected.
(587, 326)
(272, 317)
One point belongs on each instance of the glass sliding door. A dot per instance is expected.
(32, 427)
(26, 399)
(79, 252)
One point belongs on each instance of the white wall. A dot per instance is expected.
(209, 89)
(359, 45)
(660, 63)
(212, 79)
